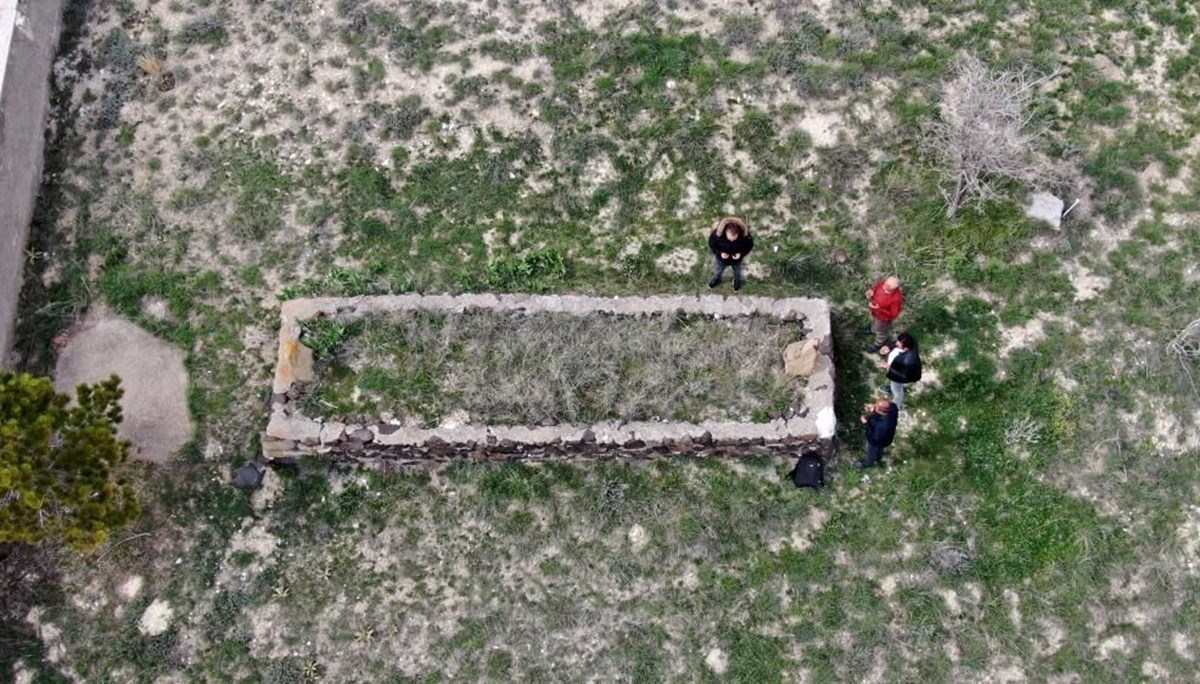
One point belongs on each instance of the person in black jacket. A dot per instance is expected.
(730, 242)
(880, 419)
(903, 367)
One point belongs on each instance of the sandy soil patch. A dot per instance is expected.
(130, 588)
(156, 619)
(678, 261)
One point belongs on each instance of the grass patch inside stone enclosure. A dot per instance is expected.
(546, 368)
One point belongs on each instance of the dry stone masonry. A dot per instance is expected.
(289, 433)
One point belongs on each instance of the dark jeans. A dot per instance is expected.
(737, 270)
(874, 454)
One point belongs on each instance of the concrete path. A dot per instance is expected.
(156, 417)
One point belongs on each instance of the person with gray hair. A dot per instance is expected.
(884, 300)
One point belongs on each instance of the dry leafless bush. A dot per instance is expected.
(1186, 344)
(987, 133)
(1186, 348)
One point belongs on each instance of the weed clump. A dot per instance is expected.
(948, 558)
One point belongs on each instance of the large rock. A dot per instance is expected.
(1045, 207)
(288, 428)
(154, 406)
(800, 358)
(295, 365)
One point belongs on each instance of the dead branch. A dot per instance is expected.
(987, 132)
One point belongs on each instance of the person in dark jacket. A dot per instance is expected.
(903, 367)
(730, 242)
(880, 419)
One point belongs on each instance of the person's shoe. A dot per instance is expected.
(737, 285)
(714, 282)
(886, 389)
(863, 465)
(865, 331)
(873, 349)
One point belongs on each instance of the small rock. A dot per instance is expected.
(249, 476)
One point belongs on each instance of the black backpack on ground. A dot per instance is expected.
(809, 471)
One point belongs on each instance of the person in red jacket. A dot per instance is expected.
(884, 300)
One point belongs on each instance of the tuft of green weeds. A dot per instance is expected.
(211, 30)
(324, 335)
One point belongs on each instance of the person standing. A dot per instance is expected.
(903, 367)
(730, 242)
(884, 301)
(880, 419)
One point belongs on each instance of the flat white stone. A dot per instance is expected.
(1045, 207)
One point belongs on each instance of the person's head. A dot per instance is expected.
(734, 228)
(883, 405)
(891, 283)
(906, 341)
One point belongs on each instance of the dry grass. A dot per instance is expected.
(549, 368)
(151, 65)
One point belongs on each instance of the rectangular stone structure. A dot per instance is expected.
(289, 433)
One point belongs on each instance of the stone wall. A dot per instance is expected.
(28, 42)
(289, 433)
